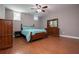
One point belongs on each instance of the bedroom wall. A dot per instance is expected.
(26, 19)
(68, 20)
(2, 12)
(9, 15)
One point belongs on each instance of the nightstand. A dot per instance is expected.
(17, 33)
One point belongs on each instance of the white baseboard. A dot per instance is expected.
(69, 36)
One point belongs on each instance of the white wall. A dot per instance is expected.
(28, 20)
(8, 14)
(2, 12)
(68, 20)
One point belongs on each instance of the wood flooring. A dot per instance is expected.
(49, 45)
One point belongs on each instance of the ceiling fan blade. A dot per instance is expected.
(43, 10)
(36, 4)
(45, 7)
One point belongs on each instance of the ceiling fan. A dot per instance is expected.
(39, 8)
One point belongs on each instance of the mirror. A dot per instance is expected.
(52, 23)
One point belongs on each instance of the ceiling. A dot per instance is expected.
(26, 8)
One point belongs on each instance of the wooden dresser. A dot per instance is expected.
(52, 27)
(53, 31)
(6, 31)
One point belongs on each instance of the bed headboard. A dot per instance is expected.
(21, 27)
(26, 26)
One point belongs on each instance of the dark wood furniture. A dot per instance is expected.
(52, 29)
(17, 33)
(6, 31)
(36, 36)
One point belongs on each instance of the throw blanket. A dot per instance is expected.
(26, 32)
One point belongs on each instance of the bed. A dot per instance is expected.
(32, 33)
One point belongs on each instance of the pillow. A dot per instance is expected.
(28, 27)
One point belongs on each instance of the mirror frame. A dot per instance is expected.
(48, 21)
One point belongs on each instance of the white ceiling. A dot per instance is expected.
(19, 7)
(26, 8)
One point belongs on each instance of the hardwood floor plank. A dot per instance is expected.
(50, 45)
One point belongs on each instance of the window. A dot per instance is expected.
(17, 16)
(35, 17)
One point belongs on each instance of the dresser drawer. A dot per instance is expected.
(6, 41)
(53, 31)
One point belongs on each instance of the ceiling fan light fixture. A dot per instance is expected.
(38, 10)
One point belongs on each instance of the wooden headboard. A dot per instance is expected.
(21, 27)
(26, 26)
